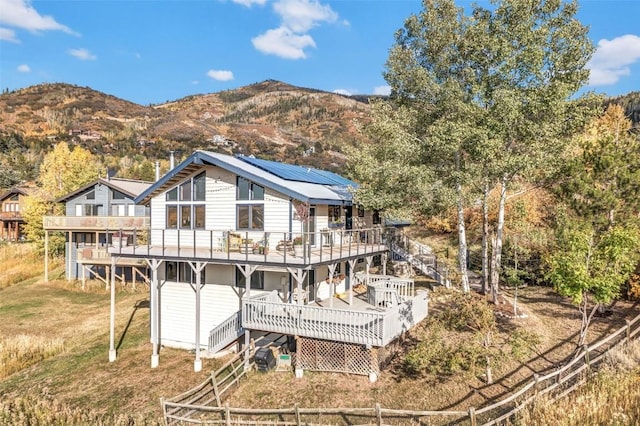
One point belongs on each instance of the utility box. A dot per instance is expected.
(265, 360)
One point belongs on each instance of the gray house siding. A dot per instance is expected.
(99, 200)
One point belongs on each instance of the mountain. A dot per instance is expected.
(631, 104)
(270, 119)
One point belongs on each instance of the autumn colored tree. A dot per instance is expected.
(62, 171)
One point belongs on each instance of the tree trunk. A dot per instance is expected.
(496, 255)
(489, 371)
(485, 239)
(462, 244)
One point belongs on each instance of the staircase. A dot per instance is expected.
(226, 333)
(420, 257)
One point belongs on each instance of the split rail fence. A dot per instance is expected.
(196, 406)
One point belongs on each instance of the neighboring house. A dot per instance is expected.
(96, 216)
(11, 207)
(225, 261)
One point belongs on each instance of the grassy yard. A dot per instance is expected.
(54, 364)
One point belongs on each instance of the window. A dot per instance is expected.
(185, 191)
(172, 217)
(91, 195)
(250, 216)
(257, 280)
(181, 212)
(182, 272)
(131, 209)
(199, 189)
(334, 214)
(198, 217)
(376, 217)
(117, 195)
(360, 211)
(118, 210)
(90, 210)
(185, 217)
(172, 195)
(248, 190)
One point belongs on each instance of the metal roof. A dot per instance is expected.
(297, 173)
(334, 191)
(129, 187)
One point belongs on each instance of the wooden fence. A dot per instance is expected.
(556, 384)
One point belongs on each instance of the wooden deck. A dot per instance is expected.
(359, 323)
(313, 256)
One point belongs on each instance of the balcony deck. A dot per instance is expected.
(359, 323)
(213, 246)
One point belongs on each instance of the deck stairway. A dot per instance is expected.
(226, 333)
(420, 257)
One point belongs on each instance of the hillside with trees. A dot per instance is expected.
(270, 119)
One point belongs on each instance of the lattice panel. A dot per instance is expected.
(325, 355)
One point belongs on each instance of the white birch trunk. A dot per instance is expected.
(462, 243)
(496, 255)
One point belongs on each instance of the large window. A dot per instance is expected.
(257, 280)
(181, 210)
(249, 216)
(182, 272)
(248, 190)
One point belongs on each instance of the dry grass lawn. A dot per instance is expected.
(78, 376)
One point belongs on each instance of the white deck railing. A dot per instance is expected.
(98, 223)
(226, 332)
(372, 327)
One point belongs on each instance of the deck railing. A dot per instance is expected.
(278, 247)
(226, 332)
(372, 327)
(96, 223)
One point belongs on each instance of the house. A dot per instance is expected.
(98, 214)
(239, 245)
(11, 207)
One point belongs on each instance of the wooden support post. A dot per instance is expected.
(84, 276)
(70, 249)
(154, 264)
(378, 414)
(197, 269)
(628, 323)
(472, 416)
(112, 319)
(247, 271)
(46, 256)
(332, 270)
(351, 278)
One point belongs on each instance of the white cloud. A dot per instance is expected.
(382, 90)
(8, 35)
(82, 54)
(195, 82)
(302, 15)
(24, 68)
(290, 40)
(342, 92)
(20, 14)
(220, 75)
(284, 43)
(612, 59)
(249, 3)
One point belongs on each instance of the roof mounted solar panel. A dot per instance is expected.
(297, 173)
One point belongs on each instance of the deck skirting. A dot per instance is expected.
(341, 357)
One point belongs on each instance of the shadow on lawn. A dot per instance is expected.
(140, 304)
(492, 397)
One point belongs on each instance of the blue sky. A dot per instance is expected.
(152, 51)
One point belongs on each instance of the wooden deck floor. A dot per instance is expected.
(315, 256)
